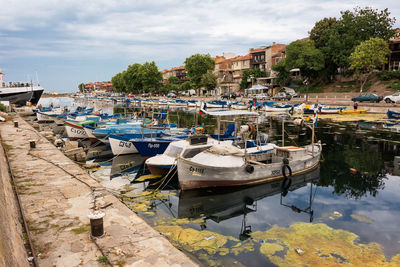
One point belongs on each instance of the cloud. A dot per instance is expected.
(164, 31)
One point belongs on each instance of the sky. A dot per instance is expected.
(73, 41)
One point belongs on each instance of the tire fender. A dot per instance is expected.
(286, 183)
(284, 167)
(249, 168)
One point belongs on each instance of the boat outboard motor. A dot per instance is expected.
(263, 137)
(244, 129)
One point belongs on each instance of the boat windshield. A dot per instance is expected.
(173, 151)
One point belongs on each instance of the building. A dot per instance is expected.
(105, 86)
(239, 65)
(178, 72)
(394, 57)
(224, 72)
(273, 54)
(257, 58)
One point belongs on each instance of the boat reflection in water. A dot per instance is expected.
(222, 204)
(126, 164)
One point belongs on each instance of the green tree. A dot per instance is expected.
(251, 74)
(150, 76)
(81, 87)
(173, 80)
(132, 78)
(196, 66)
(118, 83)
(168, 87)
(337, 38)
(326, 38)
(304, 55)
(283, 76)
(185, 86)
(209, 80)
(368, 56)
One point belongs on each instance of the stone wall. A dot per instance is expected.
(12, 250)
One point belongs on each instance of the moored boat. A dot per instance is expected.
(19, 92)
(352, 112)
(218, 166)
(393, 115)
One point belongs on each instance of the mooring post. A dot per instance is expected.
(32, 143)
(16, 124)
(96, 223)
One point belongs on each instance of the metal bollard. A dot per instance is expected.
(16, 124)
(96, 223)
(32, 143)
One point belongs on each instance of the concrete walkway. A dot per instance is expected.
(56, 206)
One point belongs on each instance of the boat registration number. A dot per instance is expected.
(196, 171)
(276, 172)
(150, 145)
(77, 131)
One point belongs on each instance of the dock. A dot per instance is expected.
(57, 195)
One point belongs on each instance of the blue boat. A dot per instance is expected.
(149, 147)
(393, 115)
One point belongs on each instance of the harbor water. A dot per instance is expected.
(344, 212)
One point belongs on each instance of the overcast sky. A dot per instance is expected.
(73, 41)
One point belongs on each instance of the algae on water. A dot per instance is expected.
(322, 246)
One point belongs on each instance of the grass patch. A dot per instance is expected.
(351, 86)
(81, 229)
(103, 260)
(395, 85)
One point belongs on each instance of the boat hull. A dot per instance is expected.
(160, 169)
(75, 132)
(194, 175)
(20, 95)
(393, 115)
(121, 147)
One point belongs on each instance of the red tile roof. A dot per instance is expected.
(257, 50)
(239, 58)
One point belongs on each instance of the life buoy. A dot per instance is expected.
(249, 168)
(285, 161)
(248, 200)
(284, 167)
(286, 183)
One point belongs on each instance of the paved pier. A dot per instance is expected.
(57, 196)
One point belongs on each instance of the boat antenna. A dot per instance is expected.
(37, 78)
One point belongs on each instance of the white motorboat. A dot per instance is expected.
(227, 165)
(223, 166)
(162, 163)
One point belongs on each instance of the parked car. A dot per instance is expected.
(368, 97)
(291, 92)
(395, 98)
(229, 96)
(263, 96)
(282, 96)
(171, 95)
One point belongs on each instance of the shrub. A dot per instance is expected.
(386, 75)
(3, 108)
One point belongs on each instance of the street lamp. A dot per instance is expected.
(306, 82)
